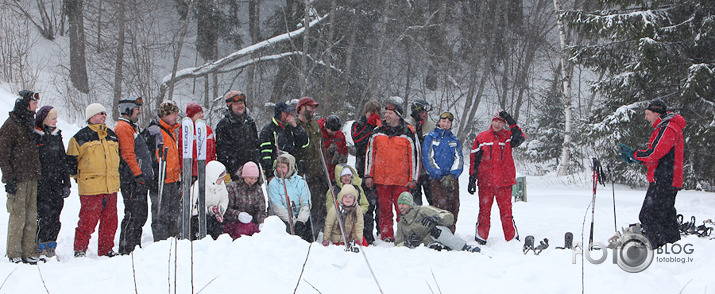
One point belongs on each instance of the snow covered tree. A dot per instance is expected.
(646, 50)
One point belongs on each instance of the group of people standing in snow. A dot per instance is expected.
(301, 160)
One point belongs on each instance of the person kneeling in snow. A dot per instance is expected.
(246, 203)
(287, 180)
(350, 216)
(216, 197)
(427, 225)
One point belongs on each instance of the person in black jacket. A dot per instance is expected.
(236, 134)
(284, 130)
(362, 131)
(54, 184)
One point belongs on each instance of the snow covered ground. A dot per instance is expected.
(271, 261)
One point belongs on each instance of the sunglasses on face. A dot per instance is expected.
(390, 107)
(236, 98)
(102, 113)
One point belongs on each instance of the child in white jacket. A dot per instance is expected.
(216, 197)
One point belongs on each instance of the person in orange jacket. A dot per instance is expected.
(163, 132)
(392, 160)
(135, 173)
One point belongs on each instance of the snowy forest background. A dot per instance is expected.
(578, 71)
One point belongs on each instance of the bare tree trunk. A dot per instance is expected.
(78, 62)
(566, 88)
(375, 74)
(331, 103)
(119, 64)
(303, 73)
(178, 52)
(349, 64)
(254, 29)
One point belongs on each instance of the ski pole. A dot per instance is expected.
(335, 199)
(162, 172)
(285, 188)
(613, 188)
(597, 177)
(304, 172)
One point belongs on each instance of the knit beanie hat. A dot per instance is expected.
(167, 108)
(192, 109)
(406, 198)
(92, 110)
(42, 114)
(657, 105)
(346, 171)
(249, 169)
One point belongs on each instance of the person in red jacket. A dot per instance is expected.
(195, 112)
(392, 160)
(492, 164)
(664, 159)
(336, 150)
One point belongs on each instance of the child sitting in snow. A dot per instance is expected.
(246, 203)
(216, 197)
(286, 179)
(350, 215)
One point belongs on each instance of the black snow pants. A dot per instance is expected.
(658, 215)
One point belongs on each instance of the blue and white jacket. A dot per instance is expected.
(442, 154)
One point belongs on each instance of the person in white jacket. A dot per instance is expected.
(298, 194)
(216, 196)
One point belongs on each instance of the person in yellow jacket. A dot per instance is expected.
(347, 175)
(350, 215)
(93, 156)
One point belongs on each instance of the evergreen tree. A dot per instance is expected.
(646, 50)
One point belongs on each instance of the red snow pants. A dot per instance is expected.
(486, 198)
(387, 199)
(100, 208)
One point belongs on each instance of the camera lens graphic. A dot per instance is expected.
(635, 254)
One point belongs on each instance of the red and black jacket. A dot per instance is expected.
(664, 156)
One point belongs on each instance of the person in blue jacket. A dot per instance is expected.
(442, 158)
(298, 193)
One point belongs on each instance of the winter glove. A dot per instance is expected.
(326, 242)
(332, 149)
(11, 187)
(413, 241)
(66, 192)
(448, 182)
(216, 211)
(411, 185)
(430, 220)
(472, 187)
(140, 179)
(244, 217)
(299, 228)
(507, 117)
(627, 153)
(374, 119)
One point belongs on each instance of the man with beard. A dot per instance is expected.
(311, 156)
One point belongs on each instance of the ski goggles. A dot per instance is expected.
(427, 108)
(236, 96)
(448, 115)
(139, 101)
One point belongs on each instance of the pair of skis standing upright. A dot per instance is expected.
(188, 128)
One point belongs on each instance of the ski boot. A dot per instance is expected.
(568, 241)
(542, 245)
(352, 247)
(528, 244)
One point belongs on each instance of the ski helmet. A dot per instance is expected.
(126, 105)
(394, 103)
(417, 106)
(333, 123)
